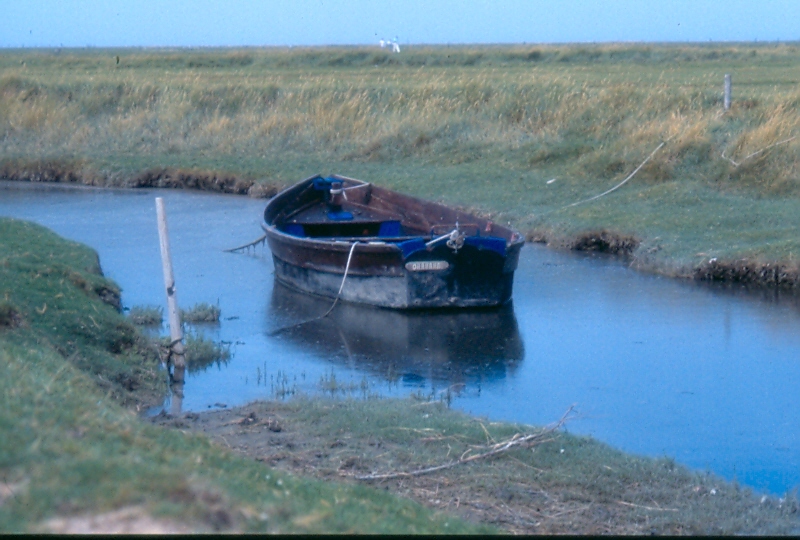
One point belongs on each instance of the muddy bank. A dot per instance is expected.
(77, 172)
(602, 241)
(750, 273)
(565, 485)
(740, 271)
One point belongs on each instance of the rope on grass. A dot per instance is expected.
(518, 439)
(621, 183)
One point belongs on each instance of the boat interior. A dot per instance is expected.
(337, 209)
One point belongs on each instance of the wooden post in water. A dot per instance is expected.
(175, 329)
(727, 94)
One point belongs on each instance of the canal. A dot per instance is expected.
(706, 374)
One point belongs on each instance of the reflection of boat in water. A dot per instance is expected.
(392, 250)
(453, 346)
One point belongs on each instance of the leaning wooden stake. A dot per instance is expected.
(175, 329)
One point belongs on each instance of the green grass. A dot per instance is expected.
(69, 361)
(61, 300)
(483, 127)
(73, 452)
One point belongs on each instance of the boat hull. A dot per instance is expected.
(469, 281)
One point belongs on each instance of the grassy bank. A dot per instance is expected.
(521, 132)
(73, 372)
(74, 456)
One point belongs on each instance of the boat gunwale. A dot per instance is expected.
(513, 238)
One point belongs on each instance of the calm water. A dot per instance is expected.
(707, 375)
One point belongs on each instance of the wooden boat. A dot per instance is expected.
(339, 237)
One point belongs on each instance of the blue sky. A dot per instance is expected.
(183, 23)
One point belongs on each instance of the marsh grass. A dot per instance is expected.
(596, 107)
(483, 127)
(332, 387)
(68, 450)
(281, 387)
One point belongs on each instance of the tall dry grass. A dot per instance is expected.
(598, 110)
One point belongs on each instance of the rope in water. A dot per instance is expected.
(261, 240)
(335, 300)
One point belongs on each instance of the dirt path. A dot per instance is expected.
(130, 520)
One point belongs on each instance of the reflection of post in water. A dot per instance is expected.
(452, 347)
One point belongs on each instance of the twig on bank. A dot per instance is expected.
(735, 164)
(518, 439)
(648, 507)
(567, 511)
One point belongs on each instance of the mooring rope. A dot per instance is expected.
(335, 300)
(248, 245)
(621, 183)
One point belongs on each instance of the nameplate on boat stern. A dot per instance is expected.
(427, 266)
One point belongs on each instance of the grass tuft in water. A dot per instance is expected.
(201, 313)
(146, 315)
(201, 352)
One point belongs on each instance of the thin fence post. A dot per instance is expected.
(175, 329)
(727, 97)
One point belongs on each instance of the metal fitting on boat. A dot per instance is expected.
(456, 240)
(337, 195)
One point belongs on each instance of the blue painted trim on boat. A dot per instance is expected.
(389, 228)
(295, 229)
(340, 216)
(492, 243)
(411, 246)
(323, 184)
